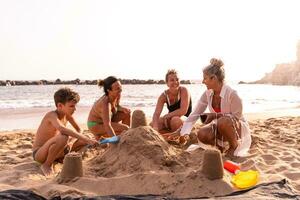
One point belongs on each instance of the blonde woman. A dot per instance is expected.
(225, 122)
(178, 101)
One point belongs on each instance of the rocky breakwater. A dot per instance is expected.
(80, 82)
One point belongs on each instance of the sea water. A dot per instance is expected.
(23, 106)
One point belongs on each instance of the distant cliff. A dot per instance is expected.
(284, 74)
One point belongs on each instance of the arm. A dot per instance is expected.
(74, 123)
(106, 118)
(56, 123)
(194, 116)
(158, 110)
(123, 109)
(184, 104)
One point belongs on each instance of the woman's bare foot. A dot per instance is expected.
(47, 170)
(230, 152)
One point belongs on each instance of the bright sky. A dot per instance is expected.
(143, 38)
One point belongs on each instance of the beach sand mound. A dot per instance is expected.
(140, 150)
(144, 163)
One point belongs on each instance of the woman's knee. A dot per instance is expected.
(201, 135)
(126, 115)
(224, 123)
(176, 122)
(205, 136)
(119, 128)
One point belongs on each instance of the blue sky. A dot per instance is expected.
(144, 38)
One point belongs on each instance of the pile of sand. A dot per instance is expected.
(152, 166)
(140, 150)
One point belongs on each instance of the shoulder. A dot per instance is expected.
(229, 90)
(232, 93)
(49, 117)
(163, 96)
(183, 89)
(102, 100)
(51, 114)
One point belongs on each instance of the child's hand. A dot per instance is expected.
(92, 141)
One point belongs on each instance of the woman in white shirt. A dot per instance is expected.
(225, 122)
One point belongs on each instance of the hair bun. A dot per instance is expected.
(100, 83)
(216, 62)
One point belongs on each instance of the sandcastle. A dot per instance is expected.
(72, 167)
(138, 119)
(212, 166)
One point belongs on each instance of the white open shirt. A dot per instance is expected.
(231, 103)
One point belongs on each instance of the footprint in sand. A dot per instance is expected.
(295, 165)
(289, 141)
(281, 169)
(268, 157)
(249, 164)
(295, 176)
(287, 158)
(28, 166)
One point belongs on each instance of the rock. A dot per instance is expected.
(284, 74)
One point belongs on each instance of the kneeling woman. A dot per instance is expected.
(225, 122)
(178, 102)
(106, 114)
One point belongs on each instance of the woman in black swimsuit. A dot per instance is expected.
(179, 104)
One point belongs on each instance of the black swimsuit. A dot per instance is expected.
(176, 105)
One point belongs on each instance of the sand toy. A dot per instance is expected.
(115, 139)
(246, 179)
(241, 179)
(232, 167)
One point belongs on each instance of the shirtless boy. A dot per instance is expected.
(51, 139)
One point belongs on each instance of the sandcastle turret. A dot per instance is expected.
(72, 167)
(138, 119)
(212, 167)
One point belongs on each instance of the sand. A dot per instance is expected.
(144, 163)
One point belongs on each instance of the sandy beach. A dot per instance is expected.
(142, 163)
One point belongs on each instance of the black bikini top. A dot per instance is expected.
(176, 105)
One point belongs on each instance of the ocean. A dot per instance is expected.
(22, 107)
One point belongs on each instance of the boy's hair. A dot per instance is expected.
(64, 95)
